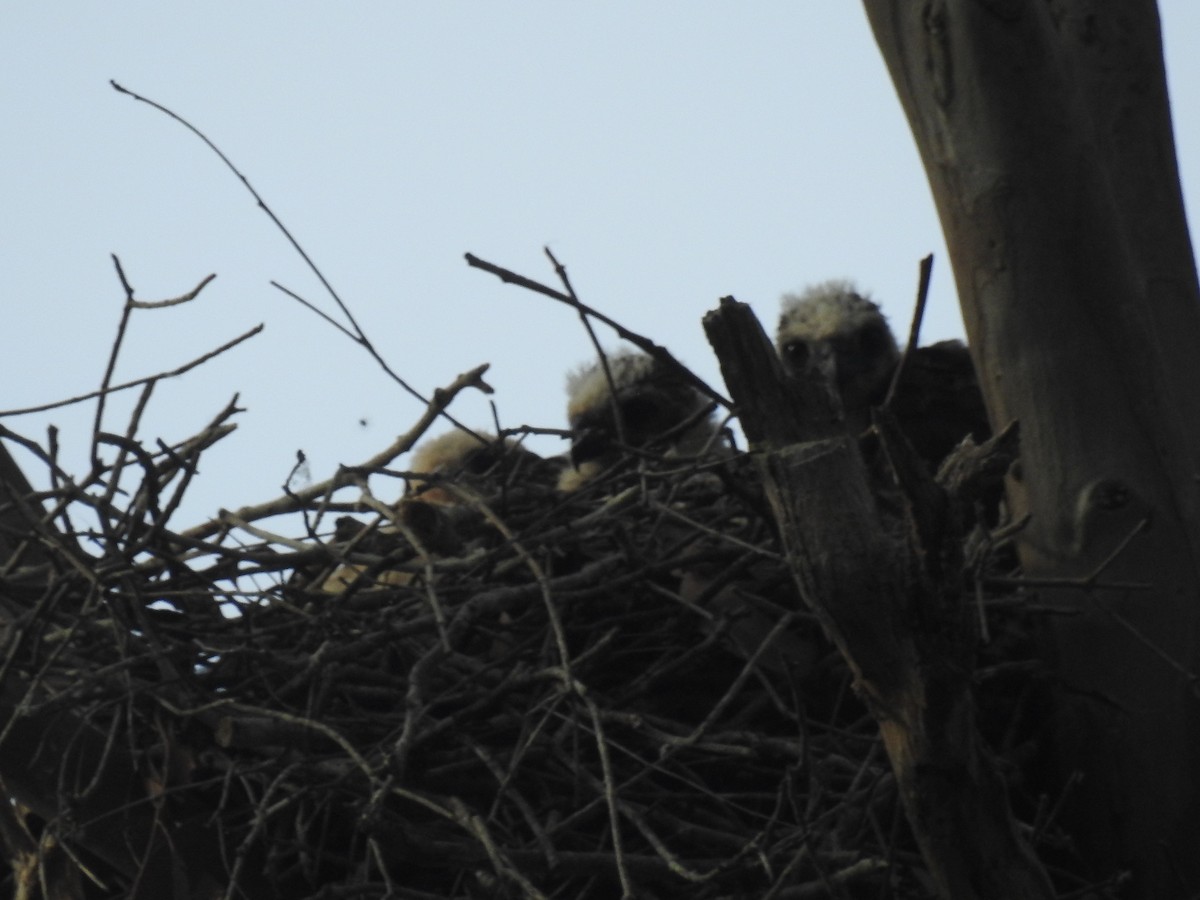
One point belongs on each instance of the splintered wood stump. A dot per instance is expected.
(890, 598)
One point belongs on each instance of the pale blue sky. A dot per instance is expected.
(668, 153)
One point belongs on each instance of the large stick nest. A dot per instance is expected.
(615, 691)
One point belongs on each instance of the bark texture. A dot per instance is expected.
(1045, 133)
(889, 594)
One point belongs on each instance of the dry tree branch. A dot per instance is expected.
(355, 332)
(662, 354)
(914, 329)
(258, 199)
(316, 310)
(172, 373)
(539, 575)
(610, 799)
(128, 444)
(294, 501)
(182, 457)
(105, 385)
(126, 310)
(573, 298)
(435, 604)
(360, 337)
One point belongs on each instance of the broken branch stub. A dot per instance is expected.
(889, 595)
(815, 481)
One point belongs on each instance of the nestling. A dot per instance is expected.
(648, 403)
(833, 330)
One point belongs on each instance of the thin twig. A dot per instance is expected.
(914, 329)
(91, 395)
(126, 311)
(442, 398)
(573, 299)
(643, 343)
(355, 332)
(257, 198)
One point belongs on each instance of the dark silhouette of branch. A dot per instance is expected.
(640, 341)
(354, 332)
(914, 329)
(106, 388)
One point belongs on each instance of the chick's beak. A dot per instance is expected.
(588, 444)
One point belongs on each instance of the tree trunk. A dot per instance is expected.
(1045, 133)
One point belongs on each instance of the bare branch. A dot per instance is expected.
(640, 341)
(187, 367)
(914, 329)
(354, 332)
(292, 502)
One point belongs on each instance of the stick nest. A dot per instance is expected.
(615, 691)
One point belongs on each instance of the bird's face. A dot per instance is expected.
(646, 412)
(643, 404)
(856, 362)
(833, 333)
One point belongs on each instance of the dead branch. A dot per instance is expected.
(640, 341)
(905, 634)
(442, 397)
(140, 382)
(354, 332)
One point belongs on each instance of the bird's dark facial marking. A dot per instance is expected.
(640, 415)
(589, 444)
(481, 461)
(874, 340)
(796, 355)
(849, 359)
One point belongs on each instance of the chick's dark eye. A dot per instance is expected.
(795, 355)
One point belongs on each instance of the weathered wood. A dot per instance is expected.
(893, 608)
(1045, 133)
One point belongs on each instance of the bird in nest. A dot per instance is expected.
(449, 475)
(647, 404)
(833, 331)
(477, 461)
